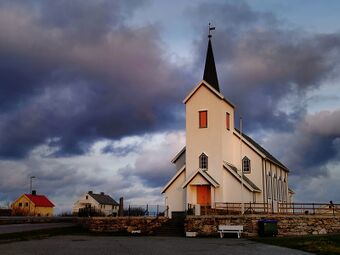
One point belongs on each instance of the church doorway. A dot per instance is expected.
(203, 194)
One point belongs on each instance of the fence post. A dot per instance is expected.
(129, 211)
(157, 210)
(313, 209)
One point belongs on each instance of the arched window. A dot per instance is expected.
(268, 183)
(275, 187)
(246, 165)
(203, 161)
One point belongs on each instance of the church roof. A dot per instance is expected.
(263, 151)
(246, 181)
(211, 88)
(210, 74)
(179, 172)
(205, 175)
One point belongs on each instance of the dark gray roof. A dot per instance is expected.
(210, 74)
(103, 199)
(261, 149)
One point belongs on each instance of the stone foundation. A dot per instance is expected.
(123, 225)
(287, 225)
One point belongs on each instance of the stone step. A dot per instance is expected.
(171, 228)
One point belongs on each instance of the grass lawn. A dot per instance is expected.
(323, 244)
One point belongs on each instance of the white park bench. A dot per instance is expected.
(230, 229)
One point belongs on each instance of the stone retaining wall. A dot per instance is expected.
(287, 225)
(123, 225)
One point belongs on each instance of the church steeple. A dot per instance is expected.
(210, 74)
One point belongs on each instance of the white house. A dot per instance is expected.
(99, 202)
(209, 168)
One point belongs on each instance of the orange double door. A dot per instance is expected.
(203, 194)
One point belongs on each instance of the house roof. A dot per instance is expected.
(246, 181)
(205, 175)
(103, 199)
(262, 150)
(40, 200)
(210, 74)
(173, 178)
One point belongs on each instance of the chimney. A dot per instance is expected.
(102, 193)
(34, 192)
(90, 192)
(121, 207)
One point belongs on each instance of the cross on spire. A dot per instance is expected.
(210, 28)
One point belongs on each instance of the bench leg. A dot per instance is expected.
(238, 235)
(221, 234)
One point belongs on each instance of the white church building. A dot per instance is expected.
(218, 158)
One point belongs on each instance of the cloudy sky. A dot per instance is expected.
(91, 91)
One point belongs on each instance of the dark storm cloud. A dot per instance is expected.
(152, 165)
(313, 145)
(74, 73)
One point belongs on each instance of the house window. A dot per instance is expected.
(20, 204)
(26, 204)
(203, 161)
(246, 165)
(228, 120)
(203, 119)
(87, 197)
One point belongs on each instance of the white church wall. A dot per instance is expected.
(204, 140)
(255, 174)
(175, 195)
(232, 191)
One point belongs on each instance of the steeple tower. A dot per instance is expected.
(210, 74)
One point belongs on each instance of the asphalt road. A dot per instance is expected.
(84, 245)
(14, 228)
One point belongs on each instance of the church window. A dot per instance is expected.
(203, 161)
(203, 119)
(269, 189)
(228, 120)
(275, 187)
(246, 165)
(280, 189)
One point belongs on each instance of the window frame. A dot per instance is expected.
(203, 161)
(246, 159)
(200, 119)
(227, 120)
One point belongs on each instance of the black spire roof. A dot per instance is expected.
(210, 74)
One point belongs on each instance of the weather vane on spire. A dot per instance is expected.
(210, 28)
